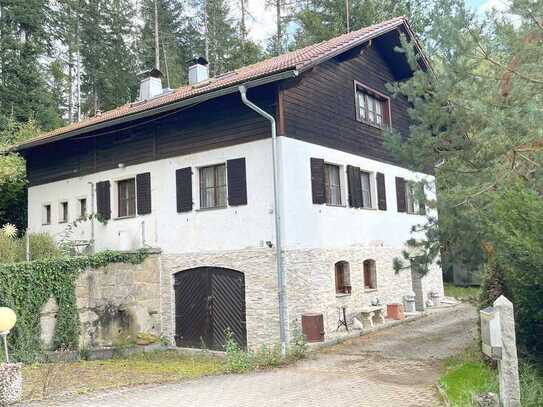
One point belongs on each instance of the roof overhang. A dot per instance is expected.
(292, 73)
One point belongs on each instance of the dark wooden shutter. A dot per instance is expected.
(183, 182)
(237, 182)
(400, 194)
(381, 192)
(143, 187)
(355, 186)
(317, 180)
(103, 200)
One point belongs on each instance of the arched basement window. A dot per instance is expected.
(343, 277)
(370, 274)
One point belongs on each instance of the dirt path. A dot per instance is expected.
(396, 367)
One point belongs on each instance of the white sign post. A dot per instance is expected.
(499, 343)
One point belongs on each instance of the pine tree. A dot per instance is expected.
(24, 92)
(176, 40)
(320, 20)
(107, 52)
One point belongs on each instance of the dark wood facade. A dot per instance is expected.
(216, 123)
(318, 107)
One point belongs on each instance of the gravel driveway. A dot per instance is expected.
(393, 367)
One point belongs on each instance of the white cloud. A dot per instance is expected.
(261, 20)
(498, 5)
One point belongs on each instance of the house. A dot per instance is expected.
(267, 189)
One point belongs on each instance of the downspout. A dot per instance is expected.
(277, 213)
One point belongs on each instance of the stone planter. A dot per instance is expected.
(11, 383)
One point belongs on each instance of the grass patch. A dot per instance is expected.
(468, 374)
(57, 379)
(470, 294)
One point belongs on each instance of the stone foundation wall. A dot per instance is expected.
(115, 303)
(121, 300)
(310, 285)
(311, 282)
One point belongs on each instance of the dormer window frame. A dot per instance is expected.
(369, 116)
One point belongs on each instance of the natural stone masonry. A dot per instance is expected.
(121, 300)
(114, 302)
(310, 281)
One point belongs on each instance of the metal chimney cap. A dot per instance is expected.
(198, 61)
(153, 73)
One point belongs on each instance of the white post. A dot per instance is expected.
(5, 337)
(508, 365)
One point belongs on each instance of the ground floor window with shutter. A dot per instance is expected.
(332, 184)
(126, 192)
(213, 187)
(365, 180)
(343, 277)
(370, 275)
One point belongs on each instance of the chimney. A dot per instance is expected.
(198, 70)
(151, 84)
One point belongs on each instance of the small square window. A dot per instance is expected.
(332, 185)
(126, 194)
(82, 208)
(46, 214)
(213, 187)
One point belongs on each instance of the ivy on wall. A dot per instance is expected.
(26, 287)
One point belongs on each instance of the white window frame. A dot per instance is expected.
(115, 205)
(341, 180)
(199, 186)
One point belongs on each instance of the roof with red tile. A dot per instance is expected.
(299, 60)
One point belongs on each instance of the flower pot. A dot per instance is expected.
(395, 311)
(11, 383)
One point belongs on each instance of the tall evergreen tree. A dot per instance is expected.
(107, 52)
(320, 20)
(24, 92)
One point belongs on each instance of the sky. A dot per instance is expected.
(262, 20)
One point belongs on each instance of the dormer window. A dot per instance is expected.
(372, 107)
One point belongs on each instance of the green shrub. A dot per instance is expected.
(237, 360)
(13, 250)
(531, 385)
(267, 356)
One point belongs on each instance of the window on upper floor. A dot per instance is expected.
(332, 184)
(342, 277)
(46, 214)
(63, 218)
(365, 180)
(372, 107)
(410, 197)
(370, 274)
(126, 197)
(213, 187)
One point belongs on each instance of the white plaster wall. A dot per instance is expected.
(232, 228)
(307, 225)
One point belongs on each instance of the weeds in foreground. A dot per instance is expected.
(239, 361)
